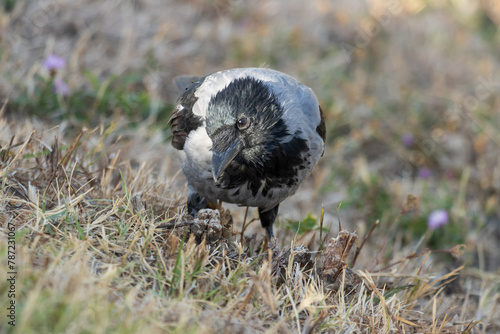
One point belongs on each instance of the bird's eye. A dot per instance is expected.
(243, 123)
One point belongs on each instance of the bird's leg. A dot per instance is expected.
(195, 203)
(267, 219)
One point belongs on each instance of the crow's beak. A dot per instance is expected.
(220, 160)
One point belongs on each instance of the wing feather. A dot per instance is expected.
(183, 120)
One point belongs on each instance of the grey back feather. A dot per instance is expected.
(182, 82)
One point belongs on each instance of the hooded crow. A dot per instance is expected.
(247, 136)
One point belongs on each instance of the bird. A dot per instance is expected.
(247, 136)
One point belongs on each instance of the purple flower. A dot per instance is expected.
(53, 62)
(407, 139)
(60, 87)
(450, 175)
(424, 173)
(437, 218)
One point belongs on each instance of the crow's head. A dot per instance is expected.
(244, 121)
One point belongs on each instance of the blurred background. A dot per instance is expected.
(410, 88)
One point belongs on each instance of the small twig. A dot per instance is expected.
(358, 249)
(321, 228)
(54, 164)
(5, 151)
(65, 160)
(471, 324)
(382, 248)
(18, 154)
(244, 225)
(409, 257)
(247, 299)
(338, 213)
(170, 226)
(323, 314)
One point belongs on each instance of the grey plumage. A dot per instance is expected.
(183, 82)
(247, 136)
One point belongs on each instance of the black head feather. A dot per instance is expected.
(246, 98)
(265, 156)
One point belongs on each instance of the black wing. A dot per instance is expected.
(321, 128)
(183, 120)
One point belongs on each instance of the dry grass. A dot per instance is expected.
(88, 262)
(90, 200)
